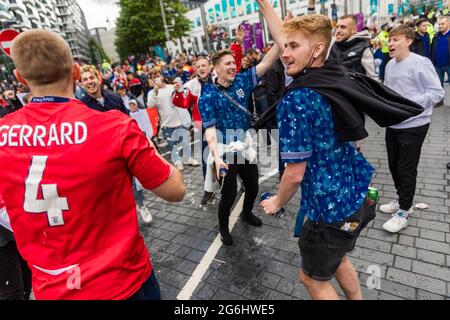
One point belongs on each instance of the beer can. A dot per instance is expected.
(265, 196)
(372, 195)
(223, 172)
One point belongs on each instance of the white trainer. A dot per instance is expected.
(179, 165)
(145, 214)
(398, 222)
(391, 207)
(192, 162)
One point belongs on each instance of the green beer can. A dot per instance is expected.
(372, 195)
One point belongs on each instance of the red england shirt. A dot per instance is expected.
(66, 182)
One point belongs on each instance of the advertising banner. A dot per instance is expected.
(248, 6)
(248, 38)
(373, 6)
(218, 12)
(233, 13)
(258, 31)
(225, 9)
(211, 15)
(360, 19)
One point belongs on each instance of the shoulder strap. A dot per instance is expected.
(233, 101)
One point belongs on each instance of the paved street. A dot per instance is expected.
(264, 262)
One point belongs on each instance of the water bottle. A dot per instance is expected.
(266, 196)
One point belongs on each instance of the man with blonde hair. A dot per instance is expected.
(66, 183)
(333, 176)
(97, 98)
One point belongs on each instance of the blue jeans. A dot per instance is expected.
(441, 73)
(138, 195)
(173, 137)
(149, 290)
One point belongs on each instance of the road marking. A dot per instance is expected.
(203, 266)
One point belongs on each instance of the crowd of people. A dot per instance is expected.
(86, 145)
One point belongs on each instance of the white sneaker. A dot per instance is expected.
(192, 162)
(145, 214)
(391, 207)
(179, 165)
(398, 222)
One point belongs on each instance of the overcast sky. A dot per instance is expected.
(97, 12)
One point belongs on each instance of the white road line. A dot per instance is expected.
(203, 266)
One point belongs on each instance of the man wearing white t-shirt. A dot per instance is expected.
(171, 120)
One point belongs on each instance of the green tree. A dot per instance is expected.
(97, 52)
(140, 25)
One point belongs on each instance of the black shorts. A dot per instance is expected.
(322, 246)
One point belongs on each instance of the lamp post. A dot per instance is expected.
(311, 6)
(283, 9)
(205, 28)
(163, 14)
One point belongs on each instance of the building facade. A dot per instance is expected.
(62, 16)
(190, 4)
(31, 14)
(223, 17)
(106, 38)
(74, 26)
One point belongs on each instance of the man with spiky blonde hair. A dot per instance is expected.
(333, 176)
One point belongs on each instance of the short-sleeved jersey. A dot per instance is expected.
(337, 176)
(66, 182)
(217, 110)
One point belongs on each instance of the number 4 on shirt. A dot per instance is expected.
(51, 204)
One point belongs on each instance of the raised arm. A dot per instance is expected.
(268, 60)
(236, 47)
(274, 22)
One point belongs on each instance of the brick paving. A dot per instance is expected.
(264, 262)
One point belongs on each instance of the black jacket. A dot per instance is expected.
(112, 102)
(434, 44)
(275, 82)
(418, 46)
(349, 53)
(351, 95)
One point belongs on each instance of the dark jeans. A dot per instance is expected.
(15, 276)
(322, 246)
(204, 146)
(149, 290)
(441, 73)
(249, 174)
(383, 65)
(403, 149)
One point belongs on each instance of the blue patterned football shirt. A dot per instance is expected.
(337, 176)
(217, 110)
